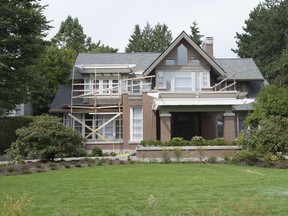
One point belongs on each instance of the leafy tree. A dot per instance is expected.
(101, 48)
(155, 39)
(71, 36)
(271, 101)
(265, 39)
(22, 27)
(46, 138)
(195, 34)
(52, 70)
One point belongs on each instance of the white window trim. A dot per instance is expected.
(131, 124)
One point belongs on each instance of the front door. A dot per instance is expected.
(185, 125)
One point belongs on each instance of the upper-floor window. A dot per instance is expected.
(183, 81)
(182, 55)
(106, 86)
(195, 62)
(170, 62)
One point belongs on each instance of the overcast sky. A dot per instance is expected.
(113, 21)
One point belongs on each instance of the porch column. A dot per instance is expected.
(165, 127)
(229, 131)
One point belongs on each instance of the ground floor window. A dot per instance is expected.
(240, 126)
(111, 131)
(136, 124)
(219, 125)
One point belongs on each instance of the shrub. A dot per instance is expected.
(195, 141)
(46, 138)
(113, 154)
(177, 153)
(246, 157)
(269, 137)
(96, 152)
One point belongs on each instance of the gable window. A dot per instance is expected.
(136, 125)
(195, 62)
(170, 62)
(182, 55)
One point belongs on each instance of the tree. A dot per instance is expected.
(161, 37)
(271, 101)
(135, 42)
(71, 36)
(155, 39)
(265, 39)
(46, 138)
(52, 70)
(22, 27)
(100, 48)
(195, 34)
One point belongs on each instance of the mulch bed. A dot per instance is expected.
(38, 167)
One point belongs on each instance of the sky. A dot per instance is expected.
(113, 21)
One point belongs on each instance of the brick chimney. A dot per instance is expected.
(207, 46)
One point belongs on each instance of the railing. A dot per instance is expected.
(223, 84)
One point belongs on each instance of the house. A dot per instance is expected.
(118, 99)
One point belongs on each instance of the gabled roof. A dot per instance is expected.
(141, 60)
(186, 37)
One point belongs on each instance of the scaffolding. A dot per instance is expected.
(85, 95)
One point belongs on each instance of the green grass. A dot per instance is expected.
(178, 189)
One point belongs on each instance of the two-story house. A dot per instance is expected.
(118, 99)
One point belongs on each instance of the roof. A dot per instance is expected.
(244, 68)
(185, 36)
(62, 98)
(142, 60)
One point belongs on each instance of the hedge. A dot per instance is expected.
(8, 126)
(196, 141)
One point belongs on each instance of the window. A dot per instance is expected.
(219, 124)
(136, 87)
(104, 86)
(195, 62)
(112, 131)
(183, 81)
(66, 120)
(182, 55)
(170, 62)
(136, 128)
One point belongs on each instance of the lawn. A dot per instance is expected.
(153, 189)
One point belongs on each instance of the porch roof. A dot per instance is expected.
(197, 101)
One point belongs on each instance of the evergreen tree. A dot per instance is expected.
(265, 39)
(155, 39)
(161, 37)
(22, 27)
(195, 34)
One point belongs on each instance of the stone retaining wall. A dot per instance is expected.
(193, 153)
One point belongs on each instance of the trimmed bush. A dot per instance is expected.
(196, 141)
(96, 152)
(8, 127)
